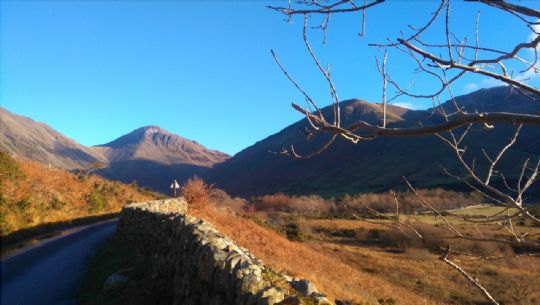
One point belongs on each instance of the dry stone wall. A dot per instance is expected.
(192, 263)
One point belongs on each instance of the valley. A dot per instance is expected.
(336, 152)
(153, 157)
(298, 216)
(367, 261)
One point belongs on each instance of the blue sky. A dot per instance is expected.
(95, 70)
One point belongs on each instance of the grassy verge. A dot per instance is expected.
(112, 256)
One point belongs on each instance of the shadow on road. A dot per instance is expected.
(19, 239)
(52, 271)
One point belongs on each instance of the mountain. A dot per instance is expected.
(149, 155)
(154, 157)
(157, 144)
(36, 141)
(379, 164)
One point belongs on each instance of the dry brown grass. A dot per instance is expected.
(418, 269)
(44, 195)
(328, 271)
(364, 261)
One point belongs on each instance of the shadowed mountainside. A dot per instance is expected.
(152, 174)
(378, 164)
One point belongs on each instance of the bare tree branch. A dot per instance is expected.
(443, 62)
(325, 9)
(510, 7)
(471, 279)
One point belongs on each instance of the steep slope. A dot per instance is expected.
(372, 165)
(26, 138)
(32, 195)
(154, 157)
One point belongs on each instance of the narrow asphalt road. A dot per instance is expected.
(51, 272)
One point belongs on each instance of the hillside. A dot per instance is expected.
(33, 194)
(374, 165)
(37, 141)
(149, 155)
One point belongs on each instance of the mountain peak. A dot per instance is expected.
(152, 129)
(136, 136)
(157, 144)
(357, 109)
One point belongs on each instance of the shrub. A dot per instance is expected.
(316, 206)
(275, 202)
(9, 168)
(42, 210)
(386, 301)
(293, 232)
(312, 205)
(196, 192)
(385, 202)
(374, 234)
(220, 198)
(4, 225)
(144, 190)
(250, 208)
(57, 204)
(96, 200)
(23, 204)
(535, 210)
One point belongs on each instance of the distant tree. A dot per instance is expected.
(446, 60)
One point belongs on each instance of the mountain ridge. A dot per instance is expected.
(374, 165)
(152, 146)
(25, 137)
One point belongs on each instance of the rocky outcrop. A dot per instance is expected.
(192, 263)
